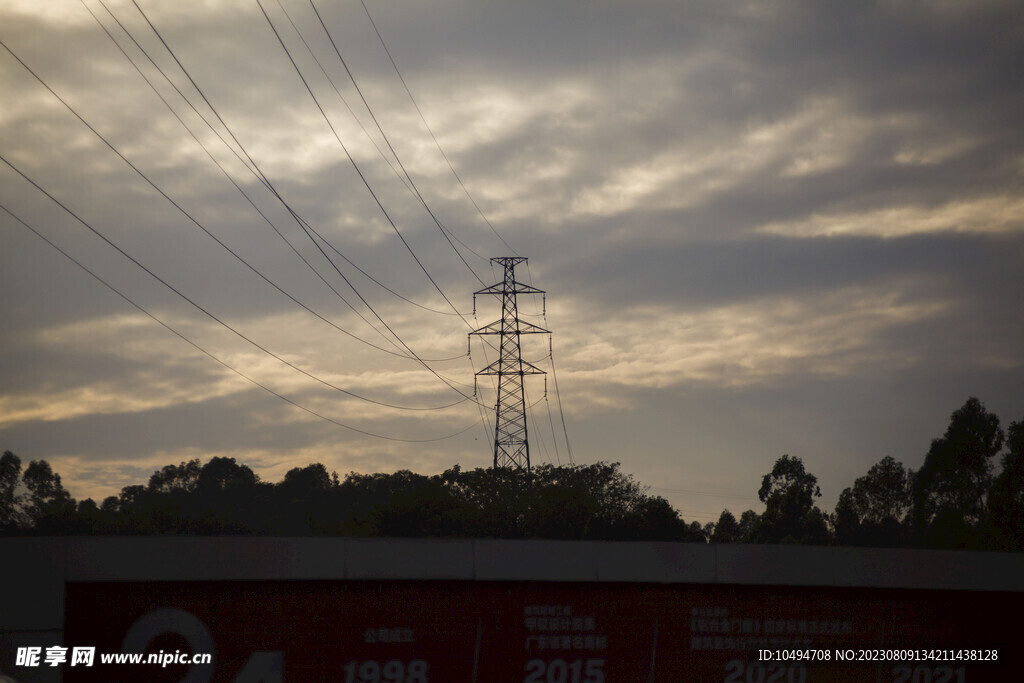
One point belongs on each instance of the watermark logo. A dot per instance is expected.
(55, 656)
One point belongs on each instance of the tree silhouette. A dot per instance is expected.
(949, 491)
(50, 508)
(183, 477)
(952, 501)
(586, 501)
(748, 526)
(872, 511)
(657, 520)
(364, 503)
(224, 474)
(427, 508)
(726, 530)
(10, 501)
(846, 520)
(1006, 500)
(492, 502)
(790, 516)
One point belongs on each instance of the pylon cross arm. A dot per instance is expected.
(509, 288)
(522, 327)
(496, 368)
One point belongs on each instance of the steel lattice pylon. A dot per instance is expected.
(511, 448)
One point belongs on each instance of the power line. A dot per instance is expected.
(203, 310)
(551, 423)
(547, 403)
(444, 231)
(276, 194)
(295, 215)
(251, 165)
(407, 180)
(218, 241)
(536, 429)
(372, 194)
(355, 166)
(258, 173)
(341, 97)
(215, 358)
(176, 205)
(558, 395)
(232, 180)
(429, 130)
(169, 81)
(383, 156)
(353, 161)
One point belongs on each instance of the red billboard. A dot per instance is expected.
(540, 632)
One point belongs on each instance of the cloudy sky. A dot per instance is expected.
(763, 228)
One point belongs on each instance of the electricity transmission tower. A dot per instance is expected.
(511, 448)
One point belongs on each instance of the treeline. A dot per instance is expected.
(958, 499)
(224, 497)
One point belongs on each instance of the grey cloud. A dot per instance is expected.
(713, 274)
(598, 94)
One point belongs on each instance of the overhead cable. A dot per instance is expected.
(250, 163)
(444, 231)
(370, 190)
(341, 97)
(266, 181)
(198, 307)
(224, 171)
(561, 412)
(223, 363)
(429, 130)
(365, 182)
(179, 207)
(362, 177)
(352, 160)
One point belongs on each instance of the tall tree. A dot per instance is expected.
(183, 477)
(303, 502)
(225, 498)
(950, 489)
(749, 523)
(847, 520)
(305, 480)
(790, 516)
(494, 502)
(50, 507)
(1006, 500)
(872, 511)
(726, 530)
(222, 474)
(10, 501)
(883, 494)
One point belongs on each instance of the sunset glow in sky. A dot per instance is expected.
(763, 228)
